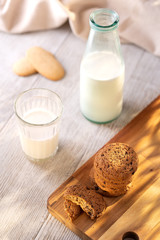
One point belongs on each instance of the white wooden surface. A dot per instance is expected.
(24, 186)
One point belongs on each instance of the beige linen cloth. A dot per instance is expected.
(139, 19)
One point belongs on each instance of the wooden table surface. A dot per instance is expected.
(25, 186)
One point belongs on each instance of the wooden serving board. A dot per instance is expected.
(139, 209)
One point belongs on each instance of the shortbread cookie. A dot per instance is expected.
(45, 63)
(73, 210)
(23, 67)
(91, 202)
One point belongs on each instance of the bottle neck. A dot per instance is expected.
(103, 41)
(104, 20)
(103, 35)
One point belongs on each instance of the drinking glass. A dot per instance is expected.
(38, 112)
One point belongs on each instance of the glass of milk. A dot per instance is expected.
(38, 112)
(102, 69)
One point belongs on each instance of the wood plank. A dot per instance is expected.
(142, 133)
(138, 218)
(154, 233)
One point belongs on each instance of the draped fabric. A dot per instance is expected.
(139, 19)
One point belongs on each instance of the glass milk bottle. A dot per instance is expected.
(102, 69)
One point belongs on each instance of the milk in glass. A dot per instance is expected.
(39, 143)
(38, 112)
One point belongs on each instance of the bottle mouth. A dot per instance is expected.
(104, 19)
